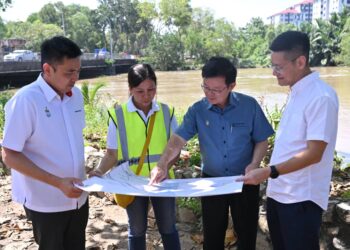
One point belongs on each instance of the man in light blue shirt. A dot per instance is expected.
(232, 131)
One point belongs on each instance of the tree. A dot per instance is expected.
(81, 30)
(3, 29)
(176, 12)
(49, 14)
(165, 52)
(253, 43)
(198, 32)
(34, 33)
(120, 16)
(344, 56)
(325, 40)
(147, 13)
(4, 4)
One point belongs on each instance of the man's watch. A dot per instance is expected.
(274, 173)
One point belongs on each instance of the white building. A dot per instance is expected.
(324, 8)
(309, 11)
(296, 14)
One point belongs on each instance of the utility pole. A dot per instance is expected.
(111, 43)
(63, 25)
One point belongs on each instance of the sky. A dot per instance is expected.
(237, 11)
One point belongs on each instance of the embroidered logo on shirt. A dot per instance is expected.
(47, 111)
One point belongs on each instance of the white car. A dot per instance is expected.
(19, 56)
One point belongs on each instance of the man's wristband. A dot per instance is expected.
(274, 173)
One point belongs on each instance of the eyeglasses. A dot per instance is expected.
(213, 91)
(278, 69)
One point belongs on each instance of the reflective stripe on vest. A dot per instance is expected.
(160, 136)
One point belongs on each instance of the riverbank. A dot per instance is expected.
(107, 226)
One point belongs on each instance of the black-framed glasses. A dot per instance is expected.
(213, 91)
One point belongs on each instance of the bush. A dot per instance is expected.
(95, 114)
(4, 97)
(192, 203)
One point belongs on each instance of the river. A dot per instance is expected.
(182, 88)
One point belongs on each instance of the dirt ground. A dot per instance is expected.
(107, 227)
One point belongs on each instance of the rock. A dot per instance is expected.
(333, 231)
(196, 175)
(339, 244)
(230, 237)
(186, 215)
(263, 221)
(187, 174)
(327, 216)
(343, 211)
(88, 150)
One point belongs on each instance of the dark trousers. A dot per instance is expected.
(244, 212)
(60, 230)
(294, 226)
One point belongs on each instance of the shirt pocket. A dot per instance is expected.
(79, 116)
(240, 133)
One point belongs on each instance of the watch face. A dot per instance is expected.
(274, 173)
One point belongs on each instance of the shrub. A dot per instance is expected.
(4, 97)
(192, 203)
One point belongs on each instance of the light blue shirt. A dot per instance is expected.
(227, 137)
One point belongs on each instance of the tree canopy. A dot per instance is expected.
(172, 35)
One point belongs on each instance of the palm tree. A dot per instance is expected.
(90, 94)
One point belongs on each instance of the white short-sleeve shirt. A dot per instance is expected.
(112, 135)
(49, 131)
(311, 113)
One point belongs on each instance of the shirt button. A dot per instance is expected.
(224, 142)
(225, 156)
(223, 127)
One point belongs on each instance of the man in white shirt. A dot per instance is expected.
(302, 160)
(43, 145)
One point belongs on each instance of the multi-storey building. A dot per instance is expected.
(296, 14)
(324, 8)
(309, 11)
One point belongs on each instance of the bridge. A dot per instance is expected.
(18, 74)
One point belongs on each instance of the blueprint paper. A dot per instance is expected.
(122, 180)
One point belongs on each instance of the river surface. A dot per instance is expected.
(182, 88)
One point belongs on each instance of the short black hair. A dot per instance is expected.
(55, 49)
(140, 72)
(220, 66)
(294, 42)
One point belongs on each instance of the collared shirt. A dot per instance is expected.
(310, 114)
(112, 135)
(226, 136)
(48, 131)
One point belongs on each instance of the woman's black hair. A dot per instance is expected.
(140, 72)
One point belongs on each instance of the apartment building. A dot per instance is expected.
(296, 14)
(308, 11)
(324, 8)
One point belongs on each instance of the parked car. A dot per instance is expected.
(19, 56)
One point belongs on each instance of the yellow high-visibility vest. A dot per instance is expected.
(132, 133)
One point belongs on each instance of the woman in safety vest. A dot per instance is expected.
(127, 133)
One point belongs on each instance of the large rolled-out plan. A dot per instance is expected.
(122, 180)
